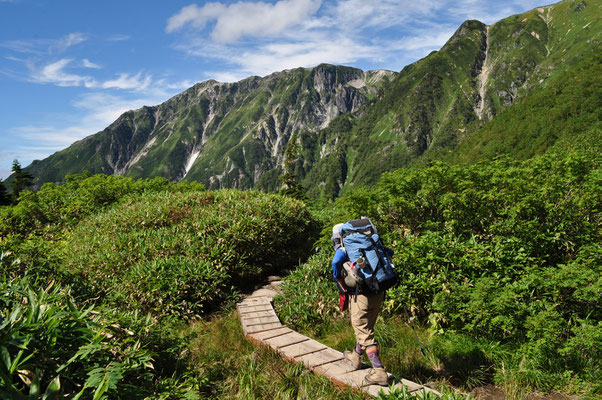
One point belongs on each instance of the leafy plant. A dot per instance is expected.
(50, 347)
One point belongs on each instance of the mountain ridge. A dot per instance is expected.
(236, 134)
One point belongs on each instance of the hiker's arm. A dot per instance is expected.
(337, 263)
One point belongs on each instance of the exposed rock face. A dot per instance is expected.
(226, 134)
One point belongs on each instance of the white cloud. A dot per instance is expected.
(55, 73)
(244, 18)
(64, 43)
(276, 57)
(27, 46)
(89, 64)
(118, 38)
(126, 82)
(426, 40)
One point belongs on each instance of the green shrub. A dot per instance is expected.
(184, 252)
(77, 197)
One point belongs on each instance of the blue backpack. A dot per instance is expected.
(365, 249)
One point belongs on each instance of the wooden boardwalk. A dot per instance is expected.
(262, 326)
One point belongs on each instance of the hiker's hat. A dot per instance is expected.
(336, 237)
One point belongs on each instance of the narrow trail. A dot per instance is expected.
(483, 77)
(262, 326)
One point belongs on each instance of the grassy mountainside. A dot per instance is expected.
(566, 113)
(528, 64)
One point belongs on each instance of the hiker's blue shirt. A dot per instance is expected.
(337, 263)
(339, 258)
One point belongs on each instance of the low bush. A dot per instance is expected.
(184, 254)
(77, 197)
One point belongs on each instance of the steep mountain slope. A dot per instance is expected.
(439, 101)
(225, 135)
(334, 127)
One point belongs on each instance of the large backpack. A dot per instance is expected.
(362, 243)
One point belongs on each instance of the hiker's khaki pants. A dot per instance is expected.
(364, 312)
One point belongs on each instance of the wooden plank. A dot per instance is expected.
(353, 378)
(263, 336)
(412, 386)
(256, 309)
(374, 390)
(321, 357)
(334, 369)
(262, 328)
(301, 349)
(289, 339)
(260, 320)
(254, 301)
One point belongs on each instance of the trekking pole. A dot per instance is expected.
(405, 310)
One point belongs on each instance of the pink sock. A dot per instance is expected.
(372, 352)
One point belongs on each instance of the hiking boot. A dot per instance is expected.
(377, 376)
(353, 357)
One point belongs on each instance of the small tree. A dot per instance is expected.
(21, 180)
(290, 184)
(4, 195)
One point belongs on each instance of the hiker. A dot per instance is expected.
(364, 305)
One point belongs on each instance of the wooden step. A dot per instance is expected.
(263, 327)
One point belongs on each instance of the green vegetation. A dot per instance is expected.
(499, 261)
(100, 276)
(112, 287)
(180, 254)
(566, 113)
(21, 180)
(4, 195)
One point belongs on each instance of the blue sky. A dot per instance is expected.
(70, 68)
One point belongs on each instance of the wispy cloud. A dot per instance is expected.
(70, 40)
(244, 18)
(118, 38)
(45, 46)
(55, 73)
(127, 82)
(59, 73)
(89, 64)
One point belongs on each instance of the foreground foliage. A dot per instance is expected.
(503, 253)
(96, 288)
(51, 346)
